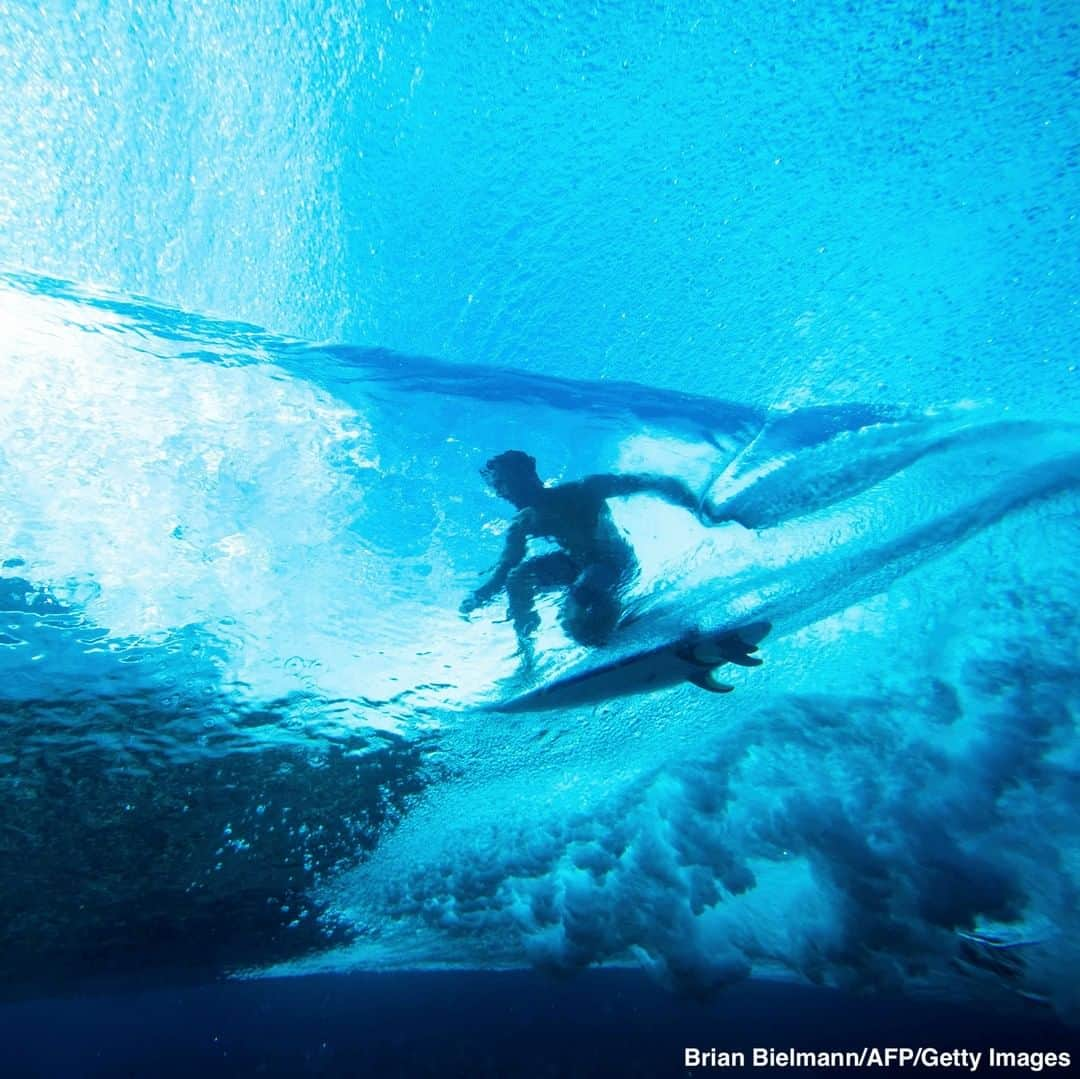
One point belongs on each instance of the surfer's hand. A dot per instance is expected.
(469, 604)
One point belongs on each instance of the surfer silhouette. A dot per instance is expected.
(594, 562)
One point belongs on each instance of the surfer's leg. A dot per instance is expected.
(594, 604)
(541, 574)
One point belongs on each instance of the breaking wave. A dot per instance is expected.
(216, 542)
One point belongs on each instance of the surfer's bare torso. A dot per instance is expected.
(577, 519)
(592, 561)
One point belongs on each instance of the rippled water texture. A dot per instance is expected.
(816, 263)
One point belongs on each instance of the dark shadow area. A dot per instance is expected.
(600, 1023)
(125, 876)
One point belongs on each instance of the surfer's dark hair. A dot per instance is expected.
(513, 464)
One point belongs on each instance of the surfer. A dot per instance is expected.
(594, 562)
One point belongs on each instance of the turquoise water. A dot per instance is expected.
(767, 202)
(817, 264)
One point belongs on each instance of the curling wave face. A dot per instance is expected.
(214, 540)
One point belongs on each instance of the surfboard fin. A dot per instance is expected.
(743, 660)
(714, 651)
(708, 680)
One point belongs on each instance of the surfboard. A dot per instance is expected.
(694, 657)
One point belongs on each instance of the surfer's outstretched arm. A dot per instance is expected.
(514, 550)
(643, 483)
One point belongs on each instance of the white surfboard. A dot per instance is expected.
(694, 657)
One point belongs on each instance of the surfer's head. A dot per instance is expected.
(512, 475)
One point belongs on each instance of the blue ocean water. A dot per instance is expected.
(815, 263)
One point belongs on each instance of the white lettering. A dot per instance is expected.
(713, 1058)
(926, 1056)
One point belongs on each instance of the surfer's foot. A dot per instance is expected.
(522, 674)
(526, 656)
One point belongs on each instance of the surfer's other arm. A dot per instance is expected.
(514, 550)
(668, 488)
